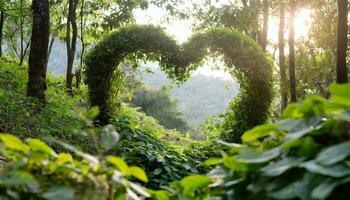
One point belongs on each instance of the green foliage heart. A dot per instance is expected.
(244, 59)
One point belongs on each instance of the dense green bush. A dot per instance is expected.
(305, 156)
(243, 57)
(33, 170)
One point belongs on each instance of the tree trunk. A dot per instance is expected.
(2, 20)
(292, 87)
(342, 74)
(52, 41)
(283, 81)
(71, 43)
(265, 8)
(22, 34)
(38, 49)
(78, 71)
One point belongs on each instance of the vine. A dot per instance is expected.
(243, 58)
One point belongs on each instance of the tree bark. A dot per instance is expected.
(342, 74)
(265, 8)
(2, 20)
(38, 49)
(283, 80)
(71, 43)
(292, 87)
(22, 34)
(78, 71)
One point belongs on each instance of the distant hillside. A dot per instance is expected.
(198, 92)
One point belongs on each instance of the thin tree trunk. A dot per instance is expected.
(71, 43)
(52, 41)
(78, 72)
(283, 82)
(38, 49)
(342, 74)
(265, 8)
(22, 34)
(292, 87)
(2, 20)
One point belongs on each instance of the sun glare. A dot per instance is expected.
(302, 25)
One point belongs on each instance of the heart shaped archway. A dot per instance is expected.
(243, 58)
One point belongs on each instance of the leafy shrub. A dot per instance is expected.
(33, 170)
(305, 156)
(141, 145)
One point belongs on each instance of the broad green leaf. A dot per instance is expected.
(287, 192)
(64, 158)
(248, 155)
(232, 163)
(334, 154)
(323, 190)
(259, 132)
(20, 178)
(59, 193)
(138, 173)
(291, 111)
(119, 163)
(213, 161)
(281, 166)
(12, 142)
(109, 137)
(192, 183)
(37, 145)
(340, 94)
(337, 171)
(160, 195)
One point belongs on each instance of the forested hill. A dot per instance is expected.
(212, 92)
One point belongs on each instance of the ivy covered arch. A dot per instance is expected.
(250, 66)
(243, 58)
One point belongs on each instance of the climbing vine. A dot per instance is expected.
(243, 58)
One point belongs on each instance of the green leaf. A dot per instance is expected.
(93, 113)
(12, 142)
(213, 161)
(259, 132)
(138, 173)
(323, 190)
(287, 192)
(232, 163)
(336, 171)
(119, 163)
(109, 137)
(281, 166)
(340, 94)
(248, 155)
(64, 158)
(334, 154)
(192, 183)
(160, 195)
(59, 192)
(20, 178)
(37, 145)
